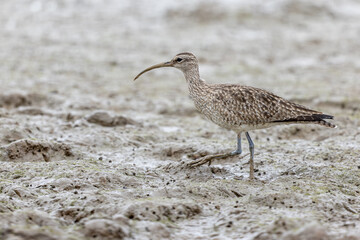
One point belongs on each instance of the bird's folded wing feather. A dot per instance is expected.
(250, 105)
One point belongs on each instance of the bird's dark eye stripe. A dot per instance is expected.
(178, 59)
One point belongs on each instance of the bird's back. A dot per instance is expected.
(243, 108)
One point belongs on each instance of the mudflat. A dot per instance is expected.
(88, 153)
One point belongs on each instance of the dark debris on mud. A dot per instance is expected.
(27, 150)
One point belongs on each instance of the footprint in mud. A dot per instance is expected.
(107, 120)
(26, 150)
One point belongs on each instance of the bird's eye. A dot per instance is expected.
(178, 60)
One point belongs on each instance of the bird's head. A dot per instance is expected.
(182, 61)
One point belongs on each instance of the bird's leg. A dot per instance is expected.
(209, 158)
(251, 148)
(238, 149)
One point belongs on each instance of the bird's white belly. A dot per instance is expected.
(247, 127)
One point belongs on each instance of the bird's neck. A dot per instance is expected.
(192, 76)
(194, 82)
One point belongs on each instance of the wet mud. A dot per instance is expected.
(87, 153)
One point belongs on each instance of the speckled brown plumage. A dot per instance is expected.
(243, 108)
(239, 108)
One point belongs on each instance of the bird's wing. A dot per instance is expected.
(250, 105)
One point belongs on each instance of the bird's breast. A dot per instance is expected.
(211, 111)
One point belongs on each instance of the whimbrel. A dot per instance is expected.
(239, 108)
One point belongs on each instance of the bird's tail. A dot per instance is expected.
(326, 124)
(314, 118)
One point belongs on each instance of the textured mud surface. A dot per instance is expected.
(87, 153)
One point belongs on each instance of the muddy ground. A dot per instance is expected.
(88, 153)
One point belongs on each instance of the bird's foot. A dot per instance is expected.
(209, 158)
(201, 161)
(253, 179)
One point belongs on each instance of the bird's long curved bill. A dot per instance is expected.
(160, 65)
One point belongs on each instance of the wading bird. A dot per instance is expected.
(239, 108)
